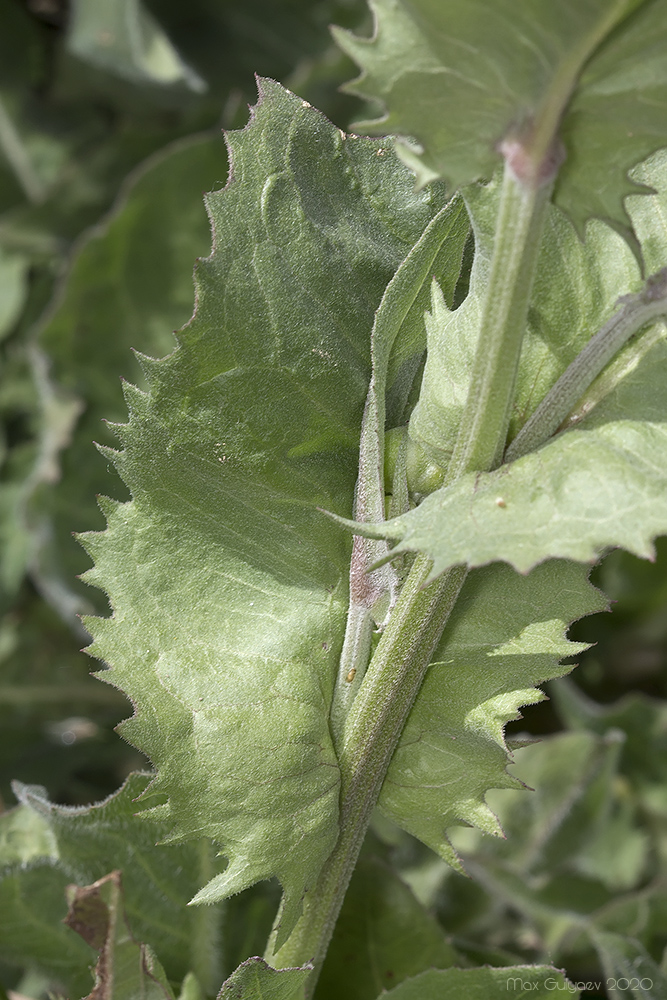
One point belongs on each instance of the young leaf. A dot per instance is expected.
(228, 587)
(484, 984)
(255, 980)
(465, 79)
(575, 287)
(125, 969)
(505, 635)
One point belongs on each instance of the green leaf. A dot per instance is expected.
(123, 37)
(125, 969)
(229, 589)
(255, 980)
(505, 635)
(74, 844)
(598, 485)
(520, 981)
(32, 934)
(574, 290)
(382, 936)
(461, 79)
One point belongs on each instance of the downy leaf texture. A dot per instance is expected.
(44, 847)
(229, 588)
(255, 980)
(463, 77)
(598, 484)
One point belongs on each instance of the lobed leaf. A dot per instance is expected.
(255, 980)
(461, 78)
(574, 291)
(229, 589)
(505, 636)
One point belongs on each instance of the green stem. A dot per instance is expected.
(378, 714)
(205, 951)
(486, 416)
(374, 727)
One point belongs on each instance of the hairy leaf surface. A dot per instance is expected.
(575, 288)
(505, 636)
(255, 980)
(43, 847)
(228, 587)
(462, 77)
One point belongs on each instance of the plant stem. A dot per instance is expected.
(205, 952)
(395, 674)
(374, 727)
(487, 412)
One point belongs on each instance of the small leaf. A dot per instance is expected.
(462, 78)
(255, 980)
(505, 635)
(518, 981)
(125, 969)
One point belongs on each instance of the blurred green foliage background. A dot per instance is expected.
(110, 130)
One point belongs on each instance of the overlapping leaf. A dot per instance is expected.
(45, 847)
(462, 77)
(125, 968)
(255, 980)
(575, 288)
(505, 636)
(228, 587)
(602, 483)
